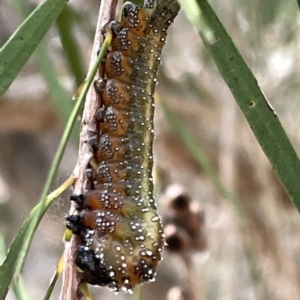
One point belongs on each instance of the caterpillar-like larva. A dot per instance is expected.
(121, 232)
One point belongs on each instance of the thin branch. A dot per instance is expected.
(71, 279)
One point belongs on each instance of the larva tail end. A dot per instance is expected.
(94, 271)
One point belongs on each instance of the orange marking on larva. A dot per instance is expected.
(96, 199)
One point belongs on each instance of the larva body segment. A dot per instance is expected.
(122, 234)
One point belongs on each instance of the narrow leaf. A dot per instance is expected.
(17, 50)
(65, 27)
(17, 250)
(59, 95)
(18, 285)
(261, 117)
(19, 288)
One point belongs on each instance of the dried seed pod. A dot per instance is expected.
(184, 214)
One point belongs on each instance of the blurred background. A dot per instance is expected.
(233, 232)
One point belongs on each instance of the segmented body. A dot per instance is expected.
(122, 234)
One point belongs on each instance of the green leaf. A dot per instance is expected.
(2, 248)
(19, 288)
(261, 117)
(61, 98)
(18, 285)
(16, 250)
(65, 27)
(17, 50)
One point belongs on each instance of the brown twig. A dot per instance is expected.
(71, 279)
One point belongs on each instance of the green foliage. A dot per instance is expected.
(17, 50)
(258, 111)
(65, 23)
(60, 96)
